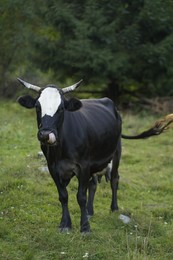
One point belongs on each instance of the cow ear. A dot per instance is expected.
(72, 104)
(27, 101)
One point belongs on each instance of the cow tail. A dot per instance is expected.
(159, 127)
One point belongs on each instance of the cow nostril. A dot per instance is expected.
(43, 136)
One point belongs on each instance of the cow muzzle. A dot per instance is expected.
(46, 137)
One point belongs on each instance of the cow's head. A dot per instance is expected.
(50, 105)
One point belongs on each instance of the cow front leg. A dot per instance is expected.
(82, 200)
(56, 169)
(65, 224)
(91, 193)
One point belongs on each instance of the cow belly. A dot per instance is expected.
(101, 155)
(103, 148)
(99, 165)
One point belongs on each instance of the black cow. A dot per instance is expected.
(77, 137)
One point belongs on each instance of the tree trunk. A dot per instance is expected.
(113, 91)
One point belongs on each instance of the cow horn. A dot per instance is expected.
(72, 87)
(28, 85)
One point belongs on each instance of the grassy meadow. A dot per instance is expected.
(30, 211)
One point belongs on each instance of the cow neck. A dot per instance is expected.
(52, 152)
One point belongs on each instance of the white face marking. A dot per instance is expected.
(50, 100)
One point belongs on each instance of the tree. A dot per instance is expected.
(18, 23)
(126, 46)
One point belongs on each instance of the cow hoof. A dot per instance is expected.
(85, 229)
(65, 230)
(85, 233)
(114, 209)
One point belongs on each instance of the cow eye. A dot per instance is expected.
(60, 109)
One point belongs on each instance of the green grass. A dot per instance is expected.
(30, 211)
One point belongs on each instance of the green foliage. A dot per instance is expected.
(19, 20)
(118, 46)
(30, 211)
(118, 43)
(13, 19)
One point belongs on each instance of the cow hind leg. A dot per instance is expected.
(115, 177)
(114, 187)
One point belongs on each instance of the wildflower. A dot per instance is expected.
(86, 255)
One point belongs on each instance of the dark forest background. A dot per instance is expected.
(122, 49)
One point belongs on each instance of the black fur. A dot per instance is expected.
(27, 101)
(72, 104)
